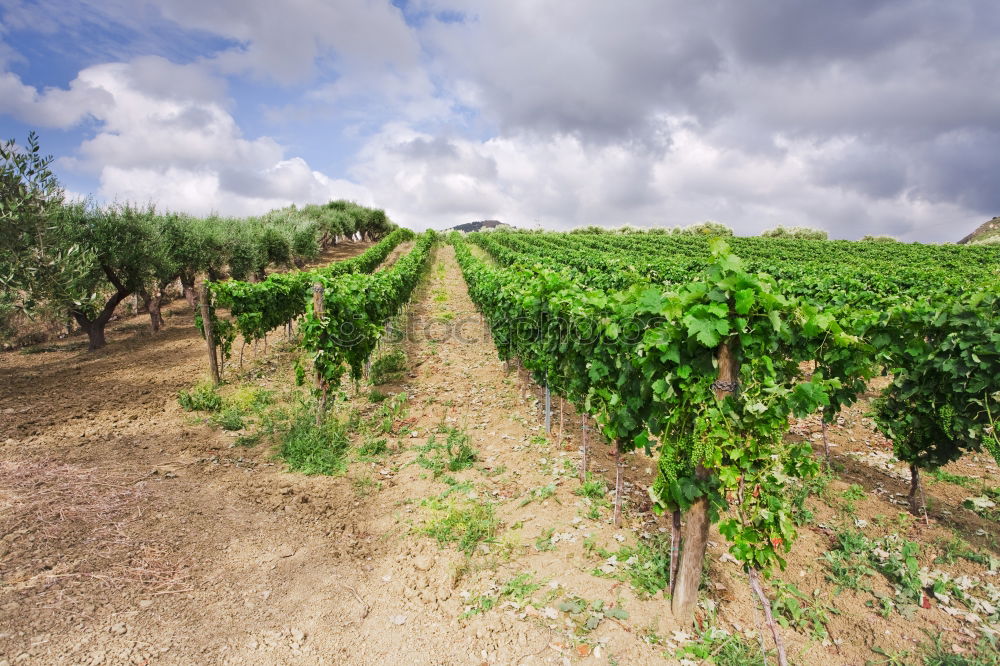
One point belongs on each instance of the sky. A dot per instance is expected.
(856, 116)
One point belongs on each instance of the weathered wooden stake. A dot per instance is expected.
(548, 410)
(560, 419)
(206, 322)
(619, 482)
(320, 384)
(826, 442)
(583, 458)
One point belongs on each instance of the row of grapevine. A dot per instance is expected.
(257, 308)
(706, 367)
(355, 311)
(896, 297)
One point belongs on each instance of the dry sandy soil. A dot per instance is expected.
(132, 532)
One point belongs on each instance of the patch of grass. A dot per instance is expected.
(387, 367)
(455, 486)
(496, 471)
(366, 485)
(466, 525)
(445, 316)
(540, 494)
(452, 455)
(592, 488)
(518, 589)
(646, 565)
(959, 480)
(798, 493)
(856, 557)
(249, 440)
(249, 399)
(985, 506)
(202, 398)
(372, 448)
(376, 396)
(315, 449)
(955, 548)
(539, 441)
(793, 609)
(848, 563)
(851, 497)
(936, 653)
(544, 541)
(718, 646)
(230, 418)
(388, 412)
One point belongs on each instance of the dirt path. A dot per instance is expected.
(133, 534)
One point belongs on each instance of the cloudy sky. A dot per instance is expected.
(856, 116)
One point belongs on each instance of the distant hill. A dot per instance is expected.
(469, 227)
(988, 232)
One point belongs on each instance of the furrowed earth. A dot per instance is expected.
(134, 531)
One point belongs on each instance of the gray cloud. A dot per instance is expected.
(881, 101)
(859, 116)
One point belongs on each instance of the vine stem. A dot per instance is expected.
(826, 442)
(758, 591)
(583, 458)
(206, 319)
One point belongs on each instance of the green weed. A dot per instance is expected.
(718, 646)
(230, 418)
(587, 616)
(366, 485)
(466, 525)
(540, 494)
(372, 448)
(202, 398)
(544, 541)
(592, 488)
(793, 609)
(387, 367)
(452, 455)
(249, 440)
(646, 565)
(955, 548)
(851, 496)
(315, 449)
(518, 589)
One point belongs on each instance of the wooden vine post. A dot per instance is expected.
(694, 533)
(320, 384)
(583, 456)
(548, 410)
(206, 322)
(619, 482)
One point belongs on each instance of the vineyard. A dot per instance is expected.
(509, 447)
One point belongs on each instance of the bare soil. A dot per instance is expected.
(130, 532)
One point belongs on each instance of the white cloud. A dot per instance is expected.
(52, 107)
(427, 181)
(856, 117)
(287, 41)
(165, 136)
